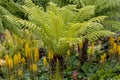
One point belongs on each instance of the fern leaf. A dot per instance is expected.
(86, 13)
(99, 34)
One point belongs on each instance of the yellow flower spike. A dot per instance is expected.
(118, 50)
(33, 67)
(19, 57)
(10, 63)
(104, 55)
(23, 60)
(20, 73)
(50, 55)
(36, 55)
(26, 49)
(111, 40)
(15, 60)
(45, 61)
(111, 52)
(103, 58)
(118, 39)
(114, 47)
(7, 59)
(81, 44)
(92, 48)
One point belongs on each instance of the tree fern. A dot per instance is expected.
(53, 28)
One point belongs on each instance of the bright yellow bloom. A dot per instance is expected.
(114, 47)
(118, 39)
(20, 73)
(33, 67)
(92, 49)
(50, 55)
(111, 40)
(103, 58)
(36, 55)
(16, 60)
(81, 44)
(45, 61)
(23, 60)
(19, 57)
(28, 51)
(118, 50)
(10, 63)
(111, 52)
(7, 59)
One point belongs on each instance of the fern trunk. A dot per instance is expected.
(83, 52)
(54, 61)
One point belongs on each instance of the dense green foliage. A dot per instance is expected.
(54, 36)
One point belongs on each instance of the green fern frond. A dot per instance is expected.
(11, 27)
(112, 25)
(4, 11)
(13, 8)
(85, 28)
(98, 34)
(86, 13)
(29, 3)
(106, 5)
(98, 19)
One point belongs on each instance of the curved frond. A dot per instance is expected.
(86, 13)
(99, 34)
(98, 19)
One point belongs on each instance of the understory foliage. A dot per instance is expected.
(36, 39)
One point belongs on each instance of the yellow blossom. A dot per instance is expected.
(33, 67)
(15, 60)
(114, 47)
(23, 60)
(36, 55)
(111, 52)
(111, 40)
(118, 50)
(45, 61)
(19, 57)
(81, 44)
(118, 39)
(20, 73)
(10, 63)
(28, 51)
(103, 58)
(7, 59)
(50, 55)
